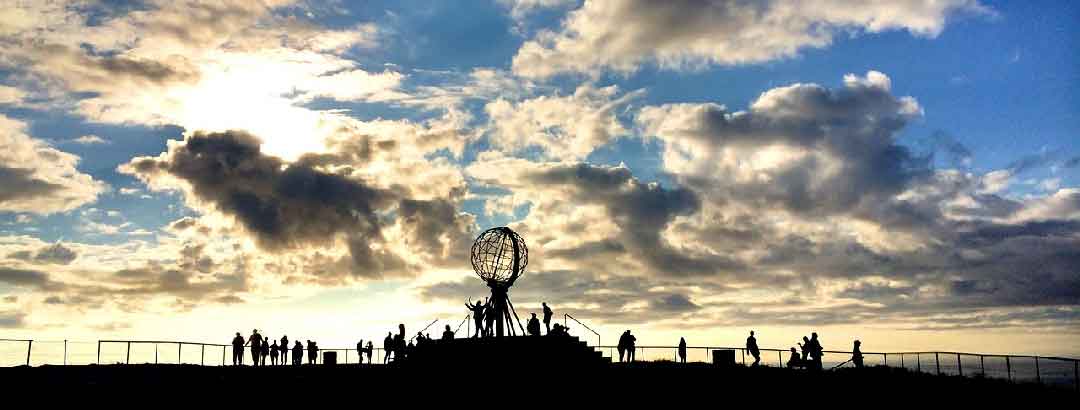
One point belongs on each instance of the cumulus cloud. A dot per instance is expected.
(38, 178)
(623, 34)
(89, 140)
(56, 253)
(566, 128)
(304, 206)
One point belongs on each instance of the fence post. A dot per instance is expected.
(202, 355)
(99, 352)
(959, 366)
(885, 358)
(743, 354)
(1038, 377)
(65, 352)
(1008, 369)
(223, 355)
(982, 365)
(918, 363)
(1076, 374)
(127, 359)
(779, 359)
(155, 353)
(937, 361)
(29, 346)
(902, 361)
(179, 347)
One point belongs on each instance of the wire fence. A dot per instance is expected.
(1057, 371)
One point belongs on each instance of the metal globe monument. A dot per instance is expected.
(499, 257)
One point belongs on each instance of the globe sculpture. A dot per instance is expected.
(499, 257)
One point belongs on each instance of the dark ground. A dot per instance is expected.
(655, 382)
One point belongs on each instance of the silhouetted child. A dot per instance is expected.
(682, 350)
(265, 351)
(856, 354)
(368, 350)
(794, 360)
(447, 334)
(534, 326)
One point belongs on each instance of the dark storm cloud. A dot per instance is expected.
(283, 205)
(56, 254)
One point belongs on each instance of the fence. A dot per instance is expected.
(1025, 368)
(1051, 370)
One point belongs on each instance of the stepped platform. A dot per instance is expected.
(563, 352)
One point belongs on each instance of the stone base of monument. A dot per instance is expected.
(533, 351)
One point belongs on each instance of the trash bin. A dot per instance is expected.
(723, 357)
(329, 358)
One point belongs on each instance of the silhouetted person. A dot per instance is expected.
(264, 351)
(312, 352)
(360, 351)
(368, 350)
(794, 360)
(274, 353)
(816, 352)
(751, 346)
(297, 354)
(534, 326)
(489, 319)
(256, 346)
(238, 350)
(558, 331)
(477, 310)
(399, 343)
(284, 349)
(621, 346)
(805, 347)
(856, 354)
(547, 317)
(447, 334)
(682, 350)
(388, 347)
(630, 346)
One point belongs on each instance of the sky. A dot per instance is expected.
(906, 173)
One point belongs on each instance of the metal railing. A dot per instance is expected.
(1033, 368)
(1040, 369)
(568, 316)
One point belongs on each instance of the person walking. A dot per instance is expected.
(752, 347)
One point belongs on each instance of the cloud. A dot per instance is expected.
(623, 34)
(89, 140)
(38, 178)
(12, 320)
(338, 221)
(566, 128)
(53, 254)
(28, 278)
